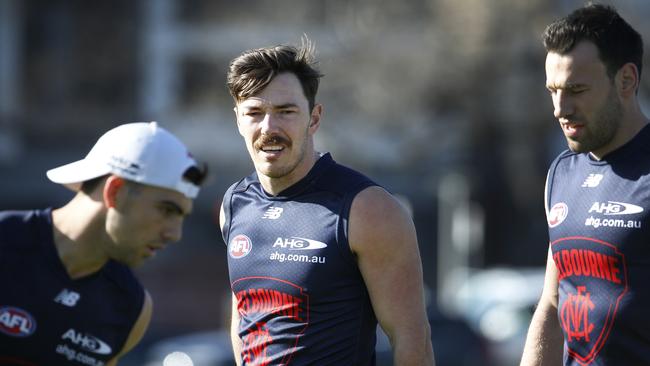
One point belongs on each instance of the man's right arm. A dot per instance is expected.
(544, 343)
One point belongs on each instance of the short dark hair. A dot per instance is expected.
(253, 70)
(196, 174)
(89, 186)
(617, 42)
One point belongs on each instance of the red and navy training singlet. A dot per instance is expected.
(600, 240)
(48, 319)
(301, 297)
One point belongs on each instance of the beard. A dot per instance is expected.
(603, 129)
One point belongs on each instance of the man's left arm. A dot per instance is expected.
(138, 330)
(383, 238)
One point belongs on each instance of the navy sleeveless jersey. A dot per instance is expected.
(599, 231)
(301, 297)
(48, 319)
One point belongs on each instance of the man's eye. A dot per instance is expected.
(169, 210)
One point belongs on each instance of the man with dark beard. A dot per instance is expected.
(595, 298)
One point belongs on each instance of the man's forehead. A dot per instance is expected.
(283, 89)
(584, 54)
(575, 67)
(255, 102)
(264, 103)
(169, 196)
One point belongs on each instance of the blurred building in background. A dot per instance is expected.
(442, 101)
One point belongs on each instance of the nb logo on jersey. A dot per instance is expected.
(593, 180)
(273, 213)
(67, 297)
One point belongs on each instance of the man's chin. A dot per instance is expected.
(271, 170)
(274, 175)
(576, 146)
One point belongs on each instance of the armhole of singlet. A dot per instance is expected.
(226, 203)
(344, 220)
(548, 186)
(547, 195)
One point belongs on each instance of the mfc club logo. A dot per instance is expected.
(16, 322)
(557, 214)
(592, 277)
(574, 315)
(240, 246)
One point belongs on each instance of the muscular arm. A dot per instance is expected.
(544, 342)
(383, 238)
(138, 330)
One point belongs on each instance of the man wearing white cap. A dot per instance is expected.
(68, 296)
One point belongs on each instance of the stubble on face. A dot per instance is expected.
(602, 130)
(136, 224)
(585, 99)
(275, 124)
(275, 169)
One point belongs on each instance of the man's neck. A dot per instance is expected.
(275, 186)
(78, 236)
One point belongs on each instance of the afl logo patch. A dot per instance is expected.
(16, 322)
(557, 214)
(240, 246)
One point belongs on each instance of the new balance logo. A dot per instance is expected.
(273, 213)
(593, 180)
(67, 298)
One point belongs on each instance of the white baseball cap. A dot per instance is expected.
(141, 152)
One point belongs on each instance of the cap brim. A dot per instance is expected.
(73, 174)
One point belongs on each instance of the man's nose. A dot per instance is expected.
(269, 123)
(173, 232)
(562, 105)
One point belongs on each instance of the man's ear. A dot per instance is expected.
(112, 186)
(628, 79)
(314, 121)
(236, 110)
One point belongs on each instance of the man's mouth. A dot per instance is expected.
(271, 144)
(571, 129)
(272, 148)
(153, 249)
